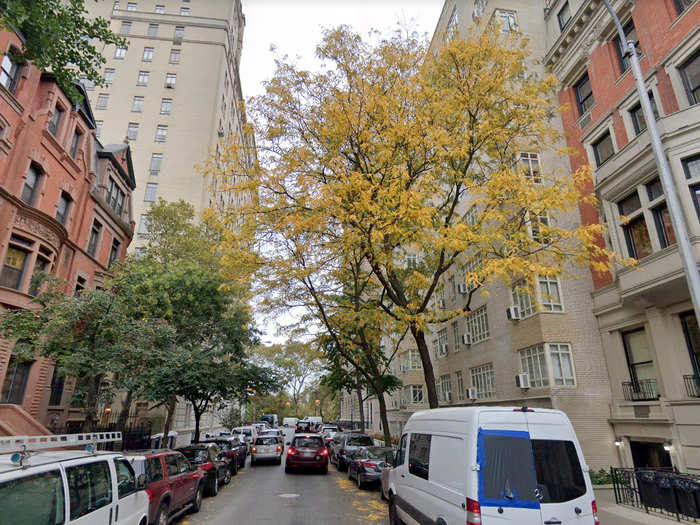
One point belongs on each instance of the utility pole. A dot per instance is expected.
(685, 249)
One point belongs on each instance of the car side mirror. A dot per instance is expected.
(141, 482)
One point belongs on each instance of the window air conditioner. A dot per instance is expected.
(471, 393)
(513, 313)
(522, 380)
(463, 288)
(443, 349)
(466, 339)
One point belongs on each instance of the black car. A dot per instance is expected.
(304, 426)
(209, 458)
(344, 445)
(367, 464)
(233, 448)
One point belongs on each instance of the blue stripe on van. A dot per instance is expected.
(481, 460)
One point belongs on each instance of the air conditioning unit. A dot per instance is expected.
(443, 349)
(466, 339)
(463, 288)
(471, 393)
(522, 380)
(513, 313)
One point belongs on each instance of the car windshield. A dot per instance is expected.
(195, 454)
(380, 453)
(359, 441)
(268, 440)
(245, 431)
(307, 442)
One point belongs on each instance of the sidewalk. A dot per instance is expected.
(609, 514)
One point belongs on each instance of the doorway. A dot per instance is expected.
(646, 454)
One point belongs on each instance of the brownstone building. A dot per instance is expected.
(65, 209)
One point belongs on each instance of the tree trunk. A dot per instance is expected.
(384, 419)
(168, 421)
(428, 373)
(362, 408)
(91, 403)
(126, 408)
(197, 417)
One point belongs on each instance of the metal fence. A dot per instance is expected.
(640, 390)
(692, 385)
(674, 495)
(135, 434)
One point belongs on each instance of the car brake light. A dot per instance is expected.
(206, 466)
(255, 449)
(279, 448)
(524, 409)
(150, 496)
(291, 451)
(324, 452)
(369, 464)
(342, 452)
(473, 512)
(594, 508)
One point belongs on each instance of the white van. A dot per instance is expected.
(290, 422)
(490, 466)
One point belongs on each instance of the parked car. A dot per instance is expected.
(234, 449)
(174, 485)
(71, 486)
(304, 426)
(490, 465)
(250, 433)
(368, 463)
(306, 450)
(345, 445)
(208, 458)
(266, 448)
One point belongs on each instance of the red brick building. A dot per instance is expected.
(65, 208)
(649, 331)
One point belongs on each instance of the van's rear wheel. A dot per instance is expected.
(393, 515)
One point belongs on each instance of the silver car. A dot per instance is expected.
(266, 448)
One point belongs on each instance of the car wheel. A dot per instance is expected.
(393, 515)
(197, 501)
(214, 487)
(162, 515)
(227, 476)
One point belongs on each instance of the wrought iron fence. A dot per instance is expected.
(692, 385)
(135, 434)
(663, 491)
(640, 390)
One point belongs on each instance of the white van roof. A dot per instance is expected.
(469, 414)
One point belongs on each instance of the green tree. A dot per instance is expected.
(57, 36)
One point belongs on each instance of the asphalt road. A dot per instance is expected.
(264, 494)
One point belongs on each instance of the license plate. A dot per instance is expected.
(308, 454)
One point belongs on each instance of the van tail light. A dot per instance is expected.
(279, 448)
(594, 508)
(254, 450)
(291, 451)
(150, 496)
(473, 512)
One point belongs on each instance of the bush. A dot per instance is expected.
(602, 477)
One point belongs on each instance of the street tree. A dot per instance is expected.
(58, 36)
(409, 159)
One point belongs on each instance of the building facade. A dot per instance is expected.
(65, 209)
(644, 314)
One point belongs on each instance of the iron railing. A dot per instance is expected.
(673, 495)
(640, 390)
(692, 385)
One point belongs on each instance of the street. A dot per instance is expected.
(265, 494)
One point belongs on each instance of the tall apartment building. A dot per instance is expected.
(555, 341)
(646, 320)
(174, 93)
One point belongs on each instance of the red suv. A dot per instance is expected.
(173, 484)
(307, 450)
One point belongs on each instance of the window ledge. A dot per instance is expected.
(682, 15)
(10, 98)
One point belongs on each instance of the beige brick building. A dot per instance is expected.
(555, 341)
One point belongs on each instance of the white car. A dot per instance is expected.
(492, 466)
(72, 487)
(267, 448)
(329, 431)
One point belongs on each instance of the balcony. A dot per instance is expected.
(692, 385)
(642, 390)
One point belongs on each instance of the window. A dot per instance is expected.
(414, 360)
(132, 130)
(9, 73)
(57, 382)
(506, 19)
(55, 121)
(152, 29)
(483, 381)
(161, 133)
(120, 53)
(401, 452)
(151, 192)
(143, 78)
(455, 335)
(75, 143)
(174, 56)
(664, 227)
(623, 58)
(460, 385)
(183, 466)
(564, 16)
(154, 470)
(63, 208)
(184, 11)
(89, 488)
(98, 127)
(584, 94)
(94, 238)
(470, 216)
(635, 231)
(562, 364)
(690, 72)
(471, 271)
(538, 228)
(534, 363)
(114, 252)
(452, 25)
(156, 163)
(179, 32)
(170, 80)
(558, 470)
(42, 265)
(102, 101)
(415, 393)
(446, 387)
(16, 259)
(147, 54)
(160, 9)
(143, 225)
(507, 469)
(419, 455)
(37, 498)
(15, 380)
(89, 84)
(115, 196)
(530, 165)
(691, 167)
(603, 149)
(80, 285)
(478, 325)
(637, 115)
(550, 296)
(116, 5)
(30, 189)
(137, 105)
(126, 478)
(125, 28)
(166, 106)
(682, 5)
(411, 261)
(442, 340)
(521, 298)
(131, 6)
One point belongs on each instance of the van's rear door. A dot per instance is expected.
(562, 486)
(507, 479)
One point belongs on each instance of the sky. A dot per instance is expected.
(294, 28)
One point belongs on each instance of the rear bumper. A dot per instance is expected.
(370, 476)
(294, 461)
(266, 457)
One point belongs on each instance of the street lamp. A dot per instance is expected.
(674, 206)
(317, 403)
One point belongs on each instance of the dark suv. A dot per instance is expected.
(304, 426)
(233, 448)
(344, 445)
(208, 458)
(307, 450)
(174, 485)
